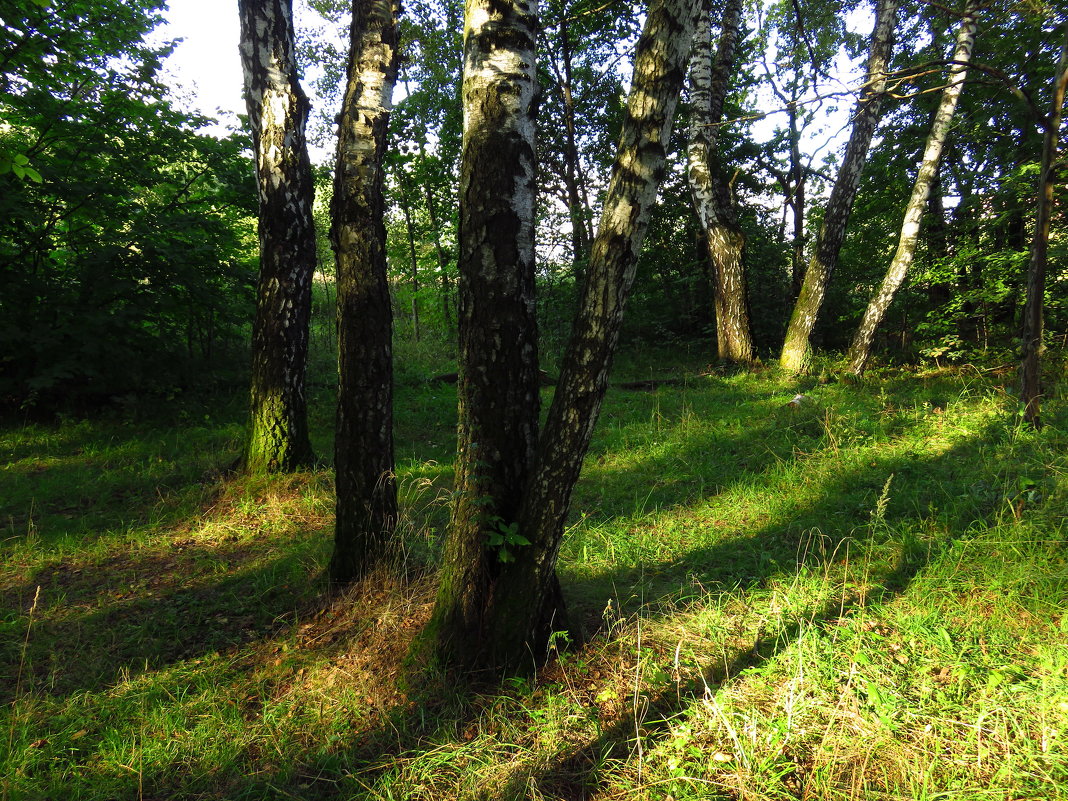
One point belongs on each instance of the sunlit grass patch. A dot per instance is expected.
(859, 597)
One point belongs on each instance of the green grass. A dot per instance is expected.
(859, 598)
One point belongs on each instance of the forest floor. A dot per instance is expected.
(859, 597)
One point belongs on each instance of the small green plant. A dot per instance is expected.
(504, 536)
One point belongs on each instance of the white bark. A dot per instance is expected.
(860, 350)
(796, 349)
(711, 198)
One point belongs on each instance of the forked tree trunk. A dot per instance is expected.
(498, 375)
(796, 349)
(1030, 378)
(860, 350)
(278, 111)
(526, 610)
(363, 450)
(711, 195)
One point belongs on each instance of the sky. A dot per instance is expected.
(205, 69)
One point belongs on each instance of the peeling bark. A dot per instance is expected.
(796, 349)
(1030, 377)
(711, 195)
(498, 376)
(278, 111)
(527, 621)
(492, 614)
(363, 451)
(860, 349)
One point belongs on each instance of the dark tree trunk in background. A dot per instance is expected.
(278, 111)
(796, 349)
(447, 310)
(498, 375)
(406, 210)
(860, 350)
(574, 180)
(711, 194)
(1030, 375)
(363, 450)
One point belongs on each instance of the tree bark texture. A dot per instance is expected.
(1030, 377)
(860, 349)
(711, 195)
(796, 349)
(498, 376)
(278, 111)
(527, 612)
(363, 451)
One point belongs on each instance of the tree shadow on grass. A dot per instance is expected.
(183, 622)
(89, 481)
(94, 624)
(434, 716)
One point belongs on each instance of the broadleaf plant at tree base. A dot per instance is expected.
(278, 112)
(493, 615)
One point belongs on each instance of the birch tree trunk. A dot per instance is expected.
(363, 450)
(278, 111)
(1030, 377)
(500, 599)
(860, 350)
(498, 375)
(796, 349)
(711, 195)
(527, 609)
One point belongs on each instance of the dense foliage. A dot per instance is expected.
(126, 241)
(127, 238)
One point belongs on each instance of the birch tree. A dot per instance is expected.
(278, 112)
(501, 603)
(796, 349)
(711, 194)
(1030, 379)
(363, 451)
(860, 349)
(498, 367)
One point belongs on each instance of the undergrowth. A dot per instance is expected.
(859, 596)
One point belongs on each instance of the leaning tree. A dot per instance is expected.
(499, 602)
(860, 349)
(1030, 384)
(796, 350)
